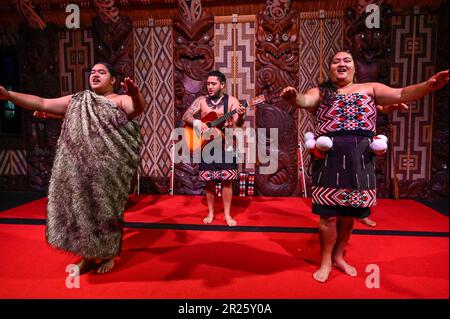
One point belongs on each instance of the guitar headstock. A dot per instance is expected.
(258, 99)
(255, 101)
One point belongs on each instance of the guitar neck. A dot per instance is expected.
(223, 118)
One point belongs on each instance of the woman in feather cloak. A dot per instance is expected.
(96, 159)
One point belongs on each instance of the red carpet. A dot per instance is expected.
(161, 263)
(403, 215)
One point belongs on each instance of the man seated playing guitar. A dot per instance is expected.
(217, 101)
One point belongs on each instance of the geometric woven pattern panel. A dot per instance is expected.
(319, 40)
(13, 162)
(415, 40)
(344, 197)
(234, 55)
(153, 71)
(76, 58)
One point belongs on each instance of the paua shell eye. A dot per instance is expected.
(269, 37)
(285, 37)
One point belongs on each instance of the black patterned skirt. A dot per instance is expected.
(223, 169)
(344, 183)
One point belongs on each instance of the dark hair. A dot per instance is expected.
(110, 68)
(218, 74)
(327, 88)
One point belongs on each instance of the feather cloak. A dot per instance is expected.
(96, 160)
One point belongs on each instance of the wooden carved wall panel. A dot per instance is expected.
(371, 48)
(277, 66)
(40, 76)
(193, 58)
(113, 44)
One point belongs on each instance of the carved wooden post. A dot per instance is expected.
(371, 49)
(193, 59)
(113, 34)
(39, 76)
(277, 66)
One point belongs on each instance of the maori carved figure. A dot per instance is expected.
(26, 10)
(370, 48)
(193, 59)
(113, 35)
(277, 53)
(284, 181)
(193, 55)
(39, 76)
(277, 66)
(38, 56)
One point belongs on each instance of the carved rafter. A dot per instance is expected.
(107, 11)
(27, 11)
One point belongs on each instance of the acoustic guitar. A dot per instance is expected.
(194, 141)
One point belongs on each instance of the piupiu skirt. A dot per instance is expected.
(344, 183)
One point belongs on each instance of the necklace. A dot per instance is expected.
(215, 103)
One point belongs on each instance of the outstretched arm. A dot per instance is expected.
(135, 104)
(44, 115)
(309, 99)
(386, 95)
(385, 109)
(56, 106)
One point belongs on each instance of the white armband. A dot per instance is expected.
(197, 125)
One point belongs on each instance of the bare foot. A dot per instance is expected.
(341, 264)
(105, 266)
(368, 221)
(321, 275)
(208, 219)
(230, 221)
(84, 265)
